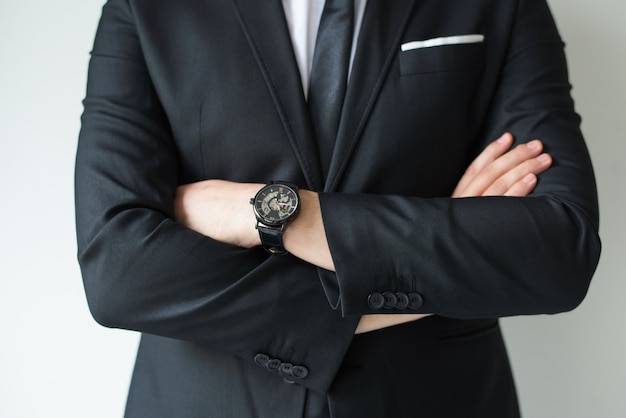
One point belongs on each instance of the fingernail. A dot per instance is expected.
(534, 144)
(504, 138)
(543, 158)
(530, 178)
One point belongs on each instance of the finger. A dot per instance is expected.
(523, 187)
(504, 184)
(493, 151)
(491, 174)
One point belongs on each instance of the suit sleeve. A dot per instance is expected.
(142, 270)
(485, 256)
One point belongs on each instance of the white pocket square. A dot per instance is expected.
(445, 40)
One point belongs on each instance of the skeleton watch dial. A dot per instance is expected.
(274, 204)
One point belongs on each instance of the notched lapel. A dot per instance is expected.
(266, 29)
(379, 40)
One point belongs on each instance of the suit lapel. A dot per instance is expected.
(379, 40)
(266, 29)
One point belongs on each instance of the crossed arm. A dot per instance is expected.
(220, 209)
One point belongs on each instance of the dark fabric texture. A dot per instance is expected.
(170, 380)
(184, 91)
(432, 368)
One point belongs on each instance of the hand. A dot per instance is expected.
(496, 172)
(220, 210)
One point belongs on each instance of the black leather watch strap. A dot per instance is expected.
(272, 238)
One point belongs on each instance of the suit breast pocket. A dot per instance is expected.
(442, 59)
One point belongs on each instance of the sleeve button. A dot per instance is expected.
(300, 372)
(402, 300)
(261, 359)
(286, 369)
(390, 300)
(274, 364)
(415, 300)
(375, 301)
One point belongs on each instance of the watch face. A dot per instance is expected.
(275, 204)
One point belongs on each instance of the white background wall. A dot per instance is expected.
(55, 361)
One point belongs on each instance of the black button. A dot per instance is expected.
(402, 301)
(274, 364)
(415, 300)
(376, 301)
(300, 372)
(286, 369)
(390, 300)
(261, 359)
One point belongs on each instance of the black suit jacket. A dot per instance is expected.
(181, 91)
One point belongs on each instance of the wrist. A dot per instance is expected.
(306, 237)
(304, 224)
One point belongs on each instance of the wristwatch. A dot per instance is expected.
(275, 206)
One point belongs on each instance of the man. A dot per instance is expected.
(192, 107)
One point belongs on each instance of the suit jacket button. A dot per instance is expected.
(376, 301)
(300, 372)
(261, 359)
(402, 300)
(415, 300)
(390, 300)
(286, 369)
(274, 364)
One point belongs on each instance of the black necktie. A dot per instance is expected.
(329, 74)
